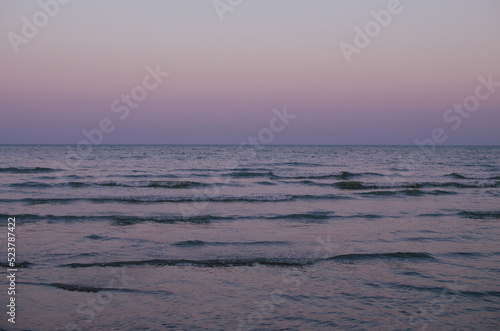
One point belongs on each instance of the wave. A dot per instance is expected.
(376, 256)
(357, 185)
(158, 184)
(266, 183)
(190, 243)
(460, 176)
(94, 289)
(480, 214)
(146, 184)
(146, 176)
(202, 219)
(81, 288)
(302, 164)
(270, 198)
(121, 219)
(70, 176)
(266, 173)
(42, 201)
(177, 199)
(463, 185)
(27, 170)
(96, 237)
(445, 184)
(250, 262)
(36, 217)
(246, 169)
(318, 215)
(352, 185)
(280, 262)
(452, 289)
(248, 174)
(46, 185)
(199, 243)
(414, 192)
(340, 175)
(172, 184)
(368, 216)
(78, 184)
(257, 198)
(31, 185)
(480, 293)
(456, 176)
(432, 215)
(19, 265)
(342, 185)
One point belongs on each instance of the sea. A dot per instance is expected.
(223, 237)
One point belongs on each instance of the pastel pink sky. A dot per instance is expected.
(227, 76)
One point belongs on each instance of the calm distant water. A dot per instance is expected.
(276, 238)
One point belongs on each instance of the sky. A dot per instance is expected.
(347, 77)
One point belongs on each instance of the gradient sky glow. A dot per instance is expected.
(227, 76)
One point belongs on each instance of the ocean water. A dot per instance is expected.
(253, 238)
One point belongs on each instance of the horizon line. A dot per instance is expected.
(249, 145)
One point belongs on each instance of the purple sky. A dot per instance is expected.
(226, 76)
